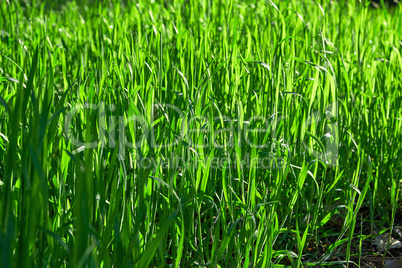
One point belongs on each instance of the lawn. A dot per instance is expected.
(206, 133)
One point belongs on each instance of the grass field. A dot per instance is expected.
(199, 133)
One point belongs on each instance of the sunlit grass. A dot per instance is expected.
(323, 80)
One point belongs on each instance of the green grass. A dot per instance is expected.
(318, 86)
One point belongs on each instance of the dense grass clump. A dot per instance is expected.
(198, 133)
